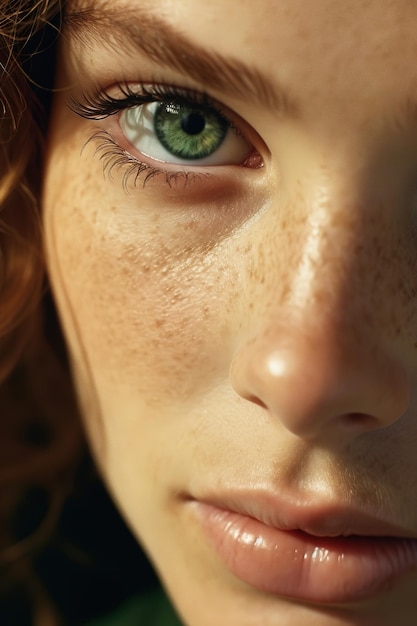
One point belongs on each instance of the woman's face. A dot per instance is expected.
(239, 295)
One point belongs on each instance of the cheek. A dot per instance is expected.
(145, 311)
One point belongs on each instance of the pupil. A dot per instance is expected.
(193, 124)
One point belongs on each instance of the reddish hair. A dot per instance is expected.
(40, 437)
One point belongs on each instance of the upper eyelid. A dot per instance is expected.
(102, 103)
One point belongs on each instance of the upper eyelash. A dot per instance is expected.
(102, 104)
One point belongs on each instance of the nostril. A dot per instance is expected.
(257, 401)
(364, 421)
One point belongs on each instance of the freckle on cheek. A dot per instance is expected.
(149, 320)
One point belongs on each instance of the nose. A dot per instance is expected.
(320, 355)
(322, 387)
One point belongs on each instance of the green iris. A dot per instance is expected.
(189, 132)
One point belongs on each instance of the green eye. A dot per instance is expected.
(189, 132)
(183, 133)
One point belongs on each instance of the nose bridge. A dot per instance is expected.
(328, 260)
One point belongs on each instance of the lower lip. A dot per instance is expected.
(296, 565)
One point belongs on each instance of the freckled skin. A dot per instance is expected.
(258, 326)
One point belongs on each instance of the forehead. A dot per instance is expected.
(315, 25)
(289, 26)
(354, 45)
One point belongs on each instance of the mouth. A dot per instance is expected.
(315, 554)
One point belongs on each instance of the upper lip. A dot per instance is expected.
(319, 518)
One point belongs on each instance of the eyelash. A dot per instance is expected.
(102, 105)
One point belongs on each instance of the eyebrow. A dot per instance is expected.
(168, 47)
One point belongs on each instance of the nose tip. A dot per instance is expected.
(317, 389)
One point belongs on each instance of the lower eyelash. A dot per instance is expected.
(114, 157)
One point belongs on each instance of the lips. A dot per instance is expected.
(315, 554)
